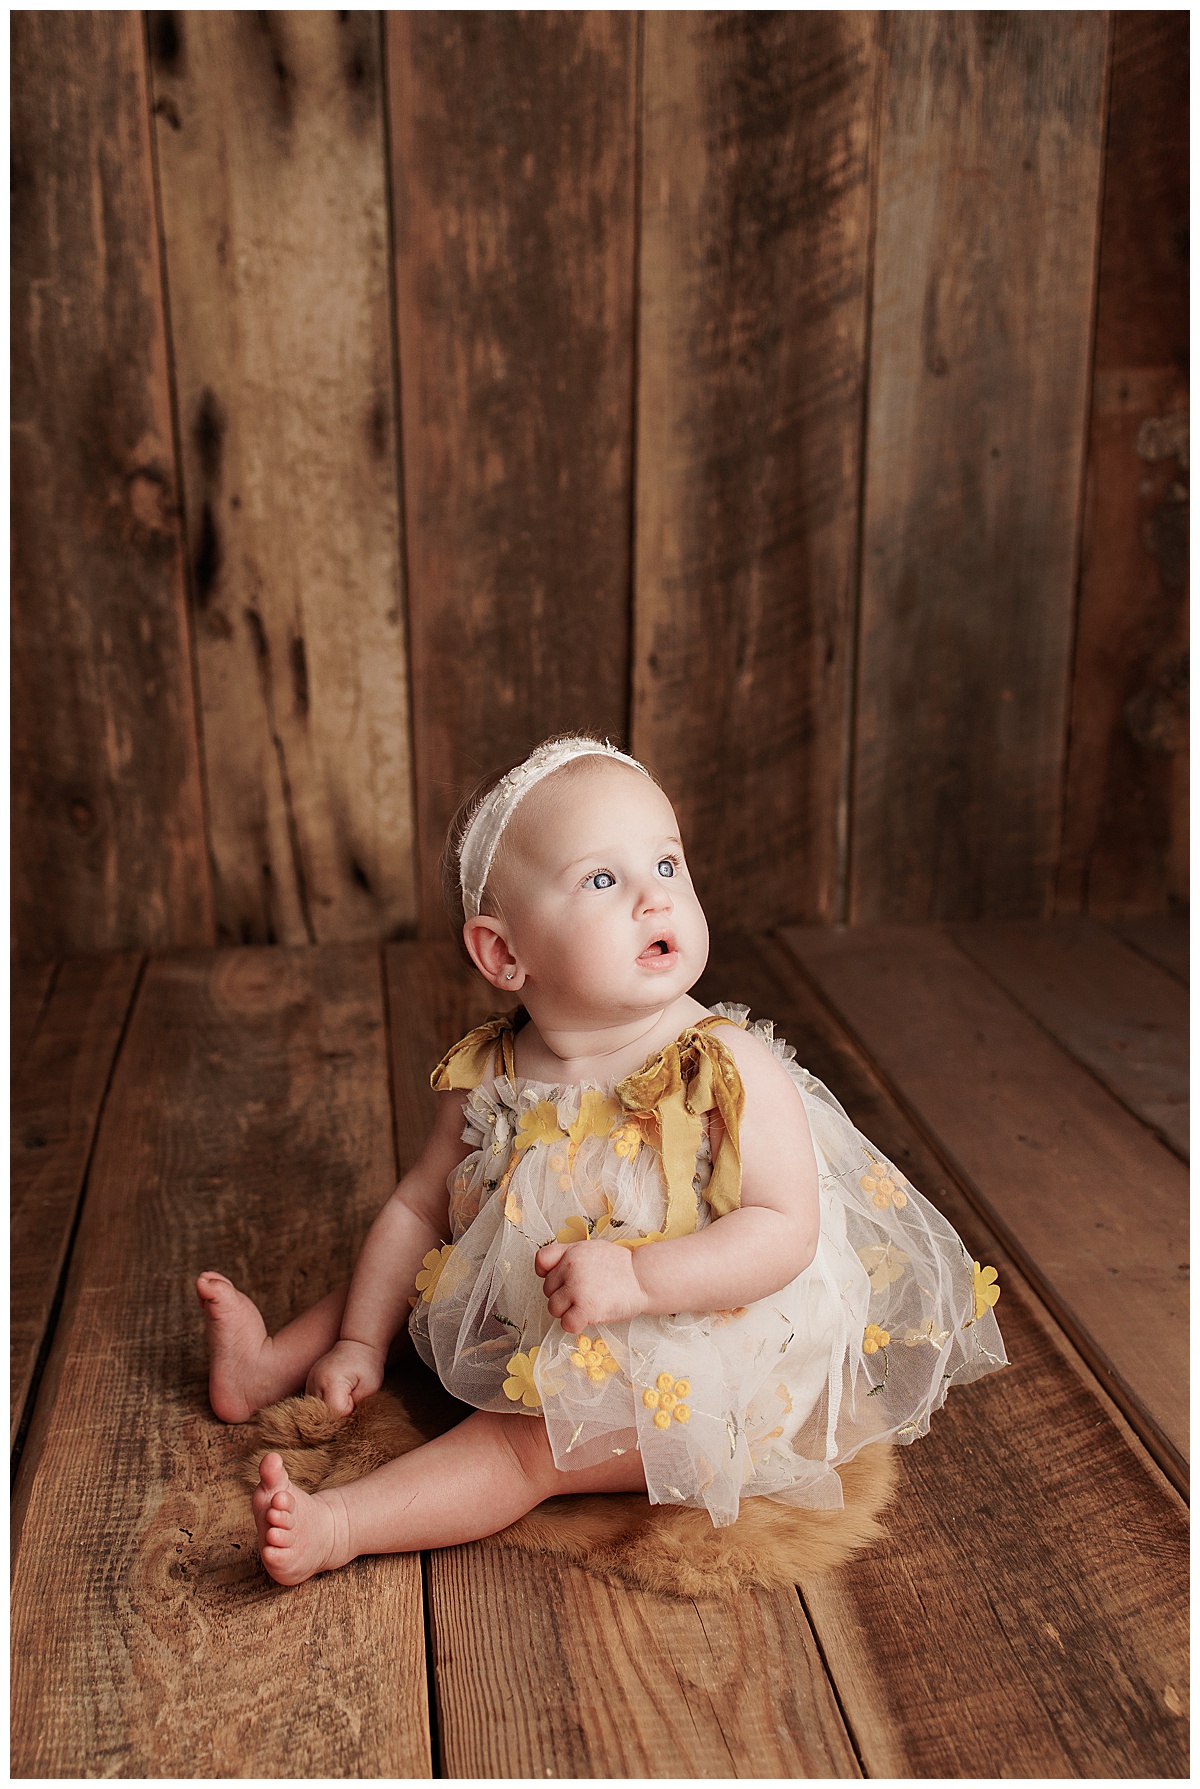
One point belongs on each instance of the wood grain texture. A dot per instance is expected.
(108, 830)
(29, 989)
(434, 998)
(247, 1127)
(273, 167)
(1032, 1583)
(751, 363)
(1093, 1206)
(1112, 1009)
(543, 1670)
(56, 1104)
(1164, 941)
(1125, 829)
(1025, 1615)
(513, 183)
(988, 191)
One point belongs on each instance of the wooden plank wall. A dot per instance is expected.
(754, 284)
(988, 189)
(1125, 834)
(513, 184)
(107, 825)
(271, 138)
(392, 390)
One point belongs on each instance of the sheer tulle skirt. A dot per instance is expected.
(764, 1400)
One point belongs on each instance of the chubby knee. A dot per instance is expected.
(529, 1444)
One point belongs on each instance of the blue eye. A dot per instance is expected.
(666, 866)
(602, 879)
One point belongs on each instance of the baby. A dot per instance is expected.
(674, 1265)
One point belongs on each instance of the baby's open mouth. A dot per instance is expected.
(659, 953)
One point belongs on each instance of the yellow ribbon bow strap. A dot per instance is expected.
(465, 1066)
(691, 1077)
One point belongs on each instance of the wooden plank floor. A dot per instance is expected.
(248, 1126)
(1164, 941)
(1091, 1202)
(1111, 1008)
(1025, 1615)
(27, 1000)
(1026, 1560)
(66, 1059)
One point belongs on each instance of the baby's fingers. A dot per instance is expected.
(336, 1391)
(556, 1277)
(549, 1257)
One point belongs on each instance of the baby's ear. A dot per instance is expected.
(488, 948)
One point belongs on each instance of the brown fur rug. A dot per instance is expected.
(676, 1552)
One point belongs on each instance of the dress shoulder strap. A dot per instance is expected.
(487, 1047)
(689, 1078)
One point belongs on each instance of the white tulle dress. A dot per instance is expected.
(763, 1400)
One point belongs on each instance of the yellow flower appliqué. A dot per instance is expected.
(594, 1359)
(512, 1209)
(639, 1242)
(883, 1184)
(636, 1129)
(986, 1289)
(884, 1262)
(578, 1227)
(667, 1399)
(874, 1338)
(597, 1115)
(785, 1398)
(432, 1266)
(519, 1385)
(602, 1223)
(539, 1125)
(559, 1165)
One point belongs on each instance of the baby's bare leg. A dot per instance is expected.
(473, 1480)
(248, 1368)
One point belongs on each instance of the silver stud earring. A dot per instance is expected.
(509, 974)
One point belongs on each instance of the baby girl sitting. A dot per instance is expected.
(674, 1265)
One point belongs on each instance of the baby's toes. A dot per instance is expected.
(282, 1514)
(260, 1499)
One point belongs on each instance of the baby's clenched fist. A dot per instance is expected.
(350, 1372)
(589, 1282)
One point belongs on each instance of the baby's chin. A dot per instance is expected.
(656, 985)
(627, 997)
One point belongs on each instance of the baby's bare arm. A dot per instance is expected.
(743, 1256)
(414, 1220)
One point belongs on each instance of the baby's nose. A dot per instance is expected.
(655, 898)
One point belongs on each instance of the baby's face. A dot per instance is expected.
(599, 907)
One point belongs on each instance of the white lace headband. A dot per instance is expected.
(478, 849)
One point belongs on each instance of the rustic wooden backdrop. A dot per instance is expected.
(798, 397)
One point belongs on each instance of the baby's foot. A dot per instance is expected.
(298, 1534)
(236, 1334)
